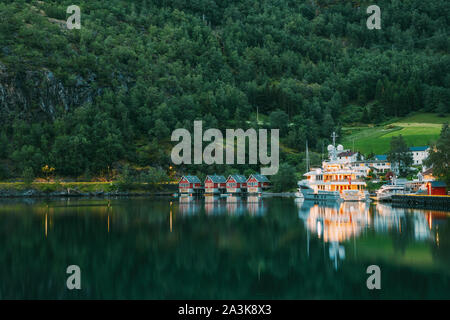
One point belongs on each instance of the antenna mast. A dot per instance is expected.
(334, 136)
(307, 157)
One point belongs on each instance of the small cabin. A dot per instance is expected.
(437, 188)
(215, 184)
(190, 185)
(236, 184)
(257, 183)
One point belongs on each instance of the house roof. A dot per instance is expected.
(259, 177)
(428, 171)
(381, 157)
(216, 179)
(346, 154)
(438, 184)
(422, 148)
(238, 178)
(191, 179)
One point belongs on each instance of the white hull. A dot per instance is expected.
(309, 194)
(355, 195)
(384, 197)
(346, 195)
(385, 193)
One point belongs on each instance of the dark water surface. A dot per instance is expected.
(274, 248)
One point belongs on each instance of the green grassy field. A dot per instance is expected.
(418, 130)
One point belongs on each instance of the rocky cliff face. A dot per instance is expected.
(32, 94)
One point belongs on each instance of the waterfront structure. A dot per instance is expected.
(437, 188)
(439, 202)
(215, 184)
(190, 185)
(236, 184)
(256, 183)
(335, 180)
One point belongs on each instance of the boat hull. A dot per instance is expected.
(355, 195)
(309, 194)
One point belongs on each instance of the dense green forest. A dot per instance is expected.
(89, 101)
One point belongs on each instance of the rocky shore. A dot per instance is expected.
(32, 193)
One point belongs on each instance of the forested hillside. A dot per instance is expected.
(112, 92)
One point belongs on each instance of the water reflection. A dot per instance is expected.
(235, 205)
(256, 206)
(188, 205)
(214, 205)
(217, 205)
(221, 247)
(335, 224)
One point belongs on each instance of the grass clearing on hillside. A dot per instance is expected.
(418, 130)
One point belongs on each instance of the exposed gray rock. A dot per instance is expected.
(30, 193)
(36, 93)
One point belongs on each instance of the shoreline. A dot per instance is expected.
(89, 190)
(32, 193)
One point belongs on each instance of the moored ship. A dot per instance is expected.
(336, 180)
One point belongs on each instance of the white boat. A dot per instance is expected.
(355, 195)
(386, 192)
(307, 193)
(335, 180)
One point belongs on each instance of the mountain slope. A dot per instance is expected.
(84, 100)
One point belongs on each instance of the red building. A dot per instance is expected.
(236, 184)
(190, 185)
(257, 183)
(437, 188)
(215, 184)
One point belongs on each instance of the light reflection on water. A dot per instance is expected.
(221, 247)
(216, 205)
(336, 223)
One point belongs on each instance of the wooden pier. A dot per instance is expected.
(421, 201)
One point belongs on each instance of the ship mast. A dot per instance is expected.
(333, 151)
(334, 136)
(307, 157)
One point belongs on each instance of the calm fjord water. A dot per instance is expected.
(274, 248)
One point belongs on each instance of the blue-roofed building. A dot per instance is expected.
(215, 184)
(236, 184)
(379, 164)
(423, 148)
(419, 154)
(381, 157)
(190, 185)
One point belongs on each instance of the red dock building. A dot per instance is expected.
(215, 184)
(437, 188)
(190, 185)
(236, 184)
(257, 183)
